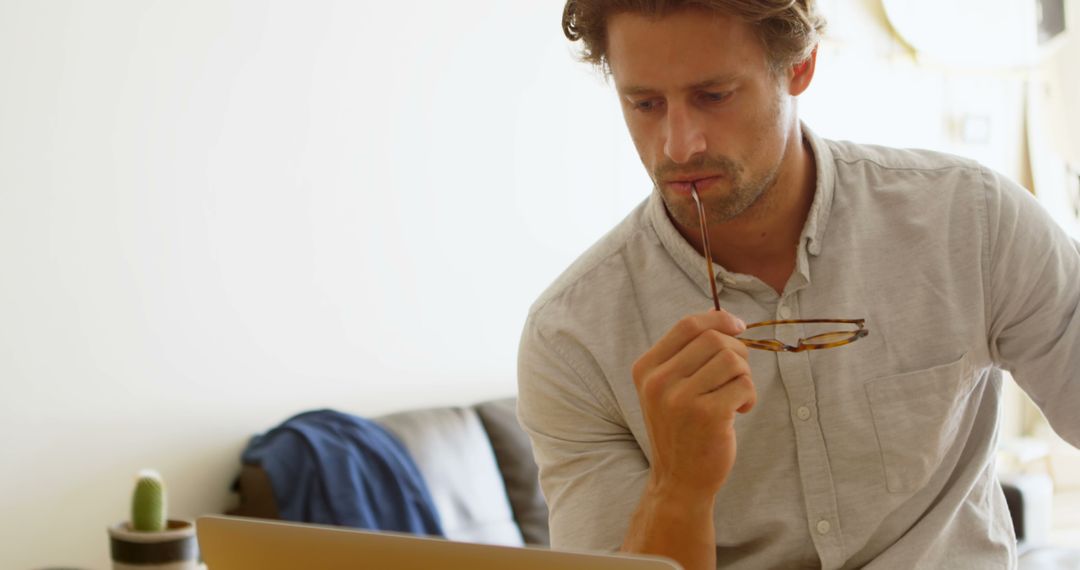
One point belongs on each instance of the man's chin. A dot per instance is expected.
(681, 209)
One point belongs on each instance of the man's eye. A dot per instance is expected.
(715, 97)
(646, 105)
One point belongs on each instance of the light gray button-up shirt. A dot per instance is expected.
(878, 454)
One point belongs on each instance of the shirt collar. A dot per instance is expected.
(693, 263)
(818, 217)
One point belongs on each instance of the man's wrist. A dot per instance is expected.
(676, 506)
(676, 522)
(680, 500)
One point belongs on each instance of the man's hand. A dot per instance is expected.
(690, 384)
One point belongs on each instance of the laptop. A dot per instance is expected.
(237, 543)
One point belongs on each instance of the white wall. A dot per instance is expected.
(215, 214)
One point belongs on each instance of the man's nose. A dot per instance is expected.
(685, 135)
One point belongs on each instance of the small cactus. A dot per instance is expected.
(148, 502)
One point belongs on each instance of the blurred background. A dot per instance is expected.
(216, 214)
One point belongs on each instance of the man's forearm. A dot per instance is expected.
(678, 527)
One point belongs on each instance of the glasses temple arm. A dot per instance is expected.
(705, 241)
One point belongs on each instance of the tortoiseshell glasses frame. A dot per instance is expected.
(821, 341)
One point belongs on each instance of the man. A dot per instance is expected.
(876, 454)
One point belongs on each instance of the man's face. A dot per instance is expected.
(702, 105)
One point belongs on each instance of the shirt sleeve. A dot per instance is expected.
(1034, 294)
(592, 470)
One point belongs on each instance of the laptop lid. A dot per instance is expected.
(237, 543)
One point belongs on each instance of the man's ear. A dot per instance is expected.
(801, 73)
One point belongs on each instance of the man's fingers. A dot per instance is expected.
(703, 349)
(720, 357)
(724, 367)
(683, 333)
(737, 395)
(750, 402)
(718, 389)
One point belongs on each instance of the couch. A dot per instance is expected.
(478, 465)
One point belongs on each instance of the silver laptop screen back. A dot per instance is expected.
(235, 543)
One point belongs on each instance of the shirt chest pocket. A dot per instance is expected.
(917, 417)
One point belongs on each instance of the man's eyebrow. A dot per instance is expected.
(715, 81)
(710, 82)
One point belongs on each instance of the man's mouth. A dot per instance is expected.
(683, 183)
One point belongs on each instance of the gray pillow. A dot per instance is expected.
(513, 452)
(454, 455)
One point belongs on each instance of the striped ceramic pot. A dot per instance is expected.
(174, 548)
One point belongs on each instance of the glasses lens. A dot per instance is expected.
(766, 344)
(830, 337)
(797, 336)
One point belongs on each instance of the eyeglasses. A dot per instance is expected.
(828, 339)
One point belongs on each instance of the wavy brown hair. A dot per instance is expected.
(789, 29)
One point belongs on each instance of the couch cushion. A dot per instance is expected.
(453, 453)
(520, 474)
(1050, 558)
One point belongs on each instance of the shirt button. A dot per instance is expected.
(803, 413)
(823, 527)
(784, 312)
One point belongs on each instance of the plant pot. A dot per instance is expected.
(174, 548)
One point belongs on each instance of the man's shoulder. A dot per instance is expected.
(598, 264)
(909, 180)
(847, 154)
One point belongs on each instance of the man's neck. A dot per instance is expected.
(763, 240)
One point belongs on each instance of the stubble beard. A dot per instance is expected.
(741, 197)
